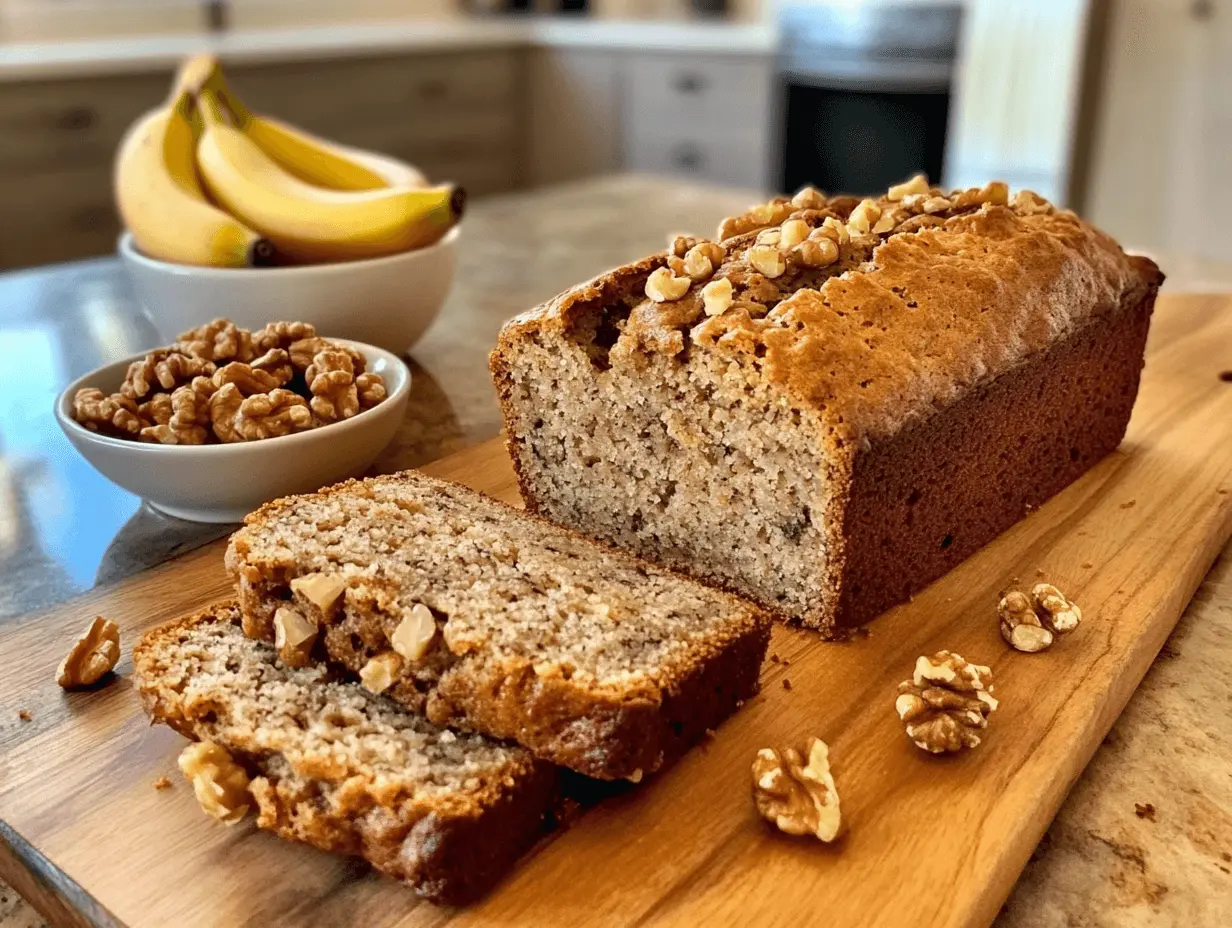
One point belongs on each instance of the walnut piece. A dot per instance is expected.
(717, 296)
(281, 335)
(320, 589)
(93, 656)
(1054, 609)
(108, 415)
(370, 389)
(219, 783)
(862, 217)
(219, 340)
(157, 409)
(793, 232)
(767, 260)
(381, 671)
(165, 368)
(265, 415)
(302, 353)
(809, 198)
(331, 381)
(945, 703)
(1020, 626)
(663, 286)
(294, 636)
(815, 252)
(277, 363)
(702, 259)
(413, 637)
(797, 798)
(249, 379)
(935, 205)
(917, 184)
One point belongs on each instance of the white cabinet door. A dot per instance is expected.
(574, 114)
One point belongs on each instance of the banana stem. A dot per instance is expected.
(212, 109)
(262, 253)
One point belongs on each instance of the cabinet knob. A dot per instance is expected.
(687, 157)
(76, 118)
(690, 83)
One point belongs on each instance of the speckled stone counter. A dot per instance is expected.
(1145, 838)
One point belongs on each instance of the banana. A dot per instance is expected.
(162, 201)
(307, 222)
(308, 157)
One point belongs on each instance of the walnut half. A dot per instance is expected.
(93, 656)
(945, 703)
(796, 797)
(219, 783)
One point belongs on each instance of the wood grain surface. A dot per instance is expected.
(931, 841)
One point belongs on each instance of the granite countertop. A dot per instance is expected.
(1145, 837)
(42, 60)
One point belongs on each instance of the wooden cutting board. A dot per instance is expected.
(931, 841)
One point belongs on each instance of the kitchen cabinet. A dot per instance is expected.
(575, 99)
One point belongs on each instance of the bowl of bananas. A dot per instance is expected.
(226, 210)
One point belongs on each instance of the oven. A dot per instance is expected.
(864, 92)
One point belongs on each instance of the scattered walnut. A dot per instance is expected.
(414, 635)
(862, 217)
(379, 673)
(1055, 611)
(717, 296)
(331, 381)
(946, 702)
(702, 259)
(1020, 626)
(219, 783)
(281, 335)
(793, 232)
(164, 368)
(321, 590)
(162, 783)
(370, 389)
(93, 656)
(917, 184)
(219, 340)
(809, 198)
(767, 260)
(24, 715)
(294, 636)
(798, 798)
(265, 415)
(663, 286)
(109, 415)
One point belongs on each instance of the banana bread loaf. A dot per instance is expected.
(838, 400)
(341, 769)
(484, 618)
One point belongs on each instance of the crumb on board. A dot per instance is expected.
(1087, 565)
(1039, 573)
(162, 783)
(709, 733)
(1145, 810)
(786, 684)
(1225, 376)
(1128, 504)
(24, 715)
(774, 658)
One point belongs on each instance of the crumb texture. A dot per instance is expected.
(338, 767)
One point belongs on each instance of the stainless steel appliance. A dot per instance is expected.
(864, 92)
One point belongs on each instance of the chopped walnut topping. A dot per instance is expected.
(1028, 203)
(1020, 626)
(679, 245)
(94, 655)
(294, 636)
(1054, 610)
(798, 798)
(219, 783)
(935, 205)
(793, 232)
(862, 217)
(767, 260)
(816, 252)
(702, 259)
(917, 184)
(663, 286)
(413, 637)
(381, 671)
(769, 237)
(717, 296)
(996, 193)
(946, 703)
(832, 229)
(809, 198)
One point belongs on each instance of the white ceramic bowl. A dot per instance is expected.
(388, 302)
(223, 483)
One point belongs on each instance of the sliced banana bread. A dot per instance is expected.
(838, 400)
(488, 619)
(341, 769)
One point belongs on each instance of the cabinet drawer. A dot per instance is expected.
(733, 161)
(721, 93)
(57, 216)
(54, 125)
(327, 97)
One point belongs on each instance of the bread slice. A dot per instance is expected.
(341, 769)
(588, 657)
(838, 401)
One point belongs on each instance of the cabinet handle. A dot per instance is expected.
(690, 83)
(76, 118)
(687, 157)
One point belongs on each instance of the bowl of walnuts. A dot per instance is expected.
(225, 419)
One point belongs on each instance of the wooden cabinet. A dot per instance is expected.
(458, 116)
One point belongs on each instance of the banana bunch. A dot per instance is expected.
(203, 180)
